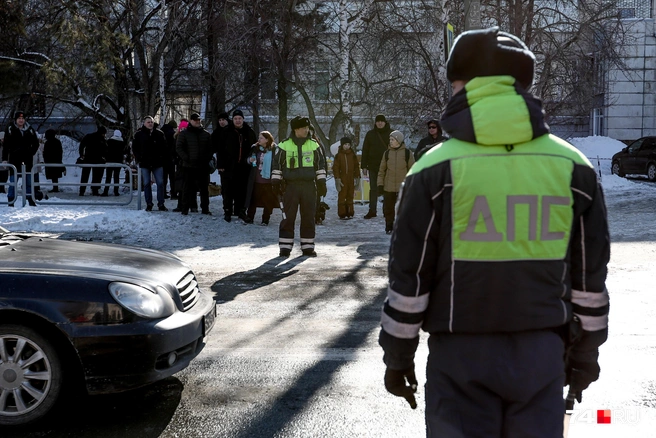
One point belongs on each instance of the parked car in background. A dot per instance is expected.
(108, 318)
(639, 158)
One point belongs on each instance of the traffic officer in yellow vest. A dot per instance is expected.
(298, 175)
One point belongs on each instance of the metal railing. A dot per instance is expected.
(11, 170)
(34, 174)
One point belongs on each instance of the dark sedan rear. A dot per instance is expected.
(639, 158)
(114, 317)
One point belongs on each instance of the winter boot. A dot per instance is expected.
(227, 216)
(370, 214)
(389, 226)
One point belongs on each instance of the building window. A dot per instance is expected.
(597, 122)
(626, 13)
(322, 81)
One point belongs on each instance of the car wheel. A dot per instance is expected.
(651, 172)
(616, 169)
(30, 375)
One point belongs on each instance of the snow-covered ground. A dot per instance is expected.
(202, 241)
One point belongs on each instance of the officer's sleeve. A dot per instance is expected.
(412, 265)
(277, 165)
(589, 256)
(320, 164)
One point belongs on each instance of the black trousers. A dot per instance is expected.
(298, 195)
(96, 178)
(389, 204)
(114, 172)
(495, 385)
(373, 190)
(195, 180)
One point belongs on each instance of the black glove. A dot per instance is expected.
(381, 189)
(578, 376)
(276, 187)
(321, 187)
(395, 383)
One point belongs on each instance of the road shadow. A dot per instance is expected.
(268, 273)
(141, 413)
(273, 420)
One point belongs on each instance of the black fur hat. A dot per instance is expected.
(344, 140)
(489, 52)
(299, 122)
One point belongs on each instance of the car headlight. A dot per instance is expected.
(142, 301)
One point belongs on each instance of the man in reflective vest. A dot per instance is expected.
(298, 176)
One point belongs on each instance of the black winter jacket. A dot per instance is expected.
(20, 146)
(374, 146)
(93, 148)
(115, 150)
(149, 148)
(234, 148)
(194, 147)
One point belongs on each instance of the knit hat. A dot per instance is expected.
(224, 115)
(183, 124)
(344, 140)
(236, 113)
(18, 114)
(117, 134)
(381, 118)
(398, 135)
(299, 122)
(489, 52)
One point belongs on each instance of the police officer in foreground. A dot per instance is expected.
(501, 245)
(298, 176)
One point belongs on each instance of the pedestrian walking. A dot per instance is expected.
(434, 137)
(394, 165)
(53, 153)
(115, 155)
(150, 150)
(92, 150)
(234, 146)
(298, 175)
(260, 192)
(374, 146)
(346, 172)
(194, 147)
(500, 246)
(20, 145)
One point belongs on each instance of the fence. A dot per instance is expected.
(36, 183)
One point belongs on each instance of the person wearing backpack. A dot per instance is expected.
(396, 162)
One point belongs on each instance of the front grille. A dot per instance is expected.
(188, 290)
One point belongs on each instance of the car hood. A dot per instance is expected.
(91, 259)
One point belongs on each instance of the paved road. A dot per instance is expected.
(294, 352)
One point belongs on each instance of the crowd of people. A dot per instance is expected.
(255, 172)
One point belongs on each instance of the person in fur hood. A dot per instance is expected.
(347, 176)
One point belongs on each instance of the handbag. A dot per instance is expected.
(212, 165)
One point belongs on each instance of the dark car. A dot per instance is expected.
(639, 158)
(109, 317)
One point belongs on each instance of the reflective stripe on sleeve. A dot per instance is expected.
(593, 323)
(399, 329)
(405, 303)
(590, 299)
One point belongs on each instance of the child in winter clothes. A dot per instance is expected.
(347, 176)
(259, 192)
(395, 164)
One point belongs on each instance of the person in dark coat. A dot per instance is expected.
(53, 154)
(20, 145)
(374, 146)
(232, 162)
(434, 137)
(194, 147)
(4, 174)
(347, 177)
(169, 166)
(260, 193)
(92, 150)
(115, 154)
(149, 148)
